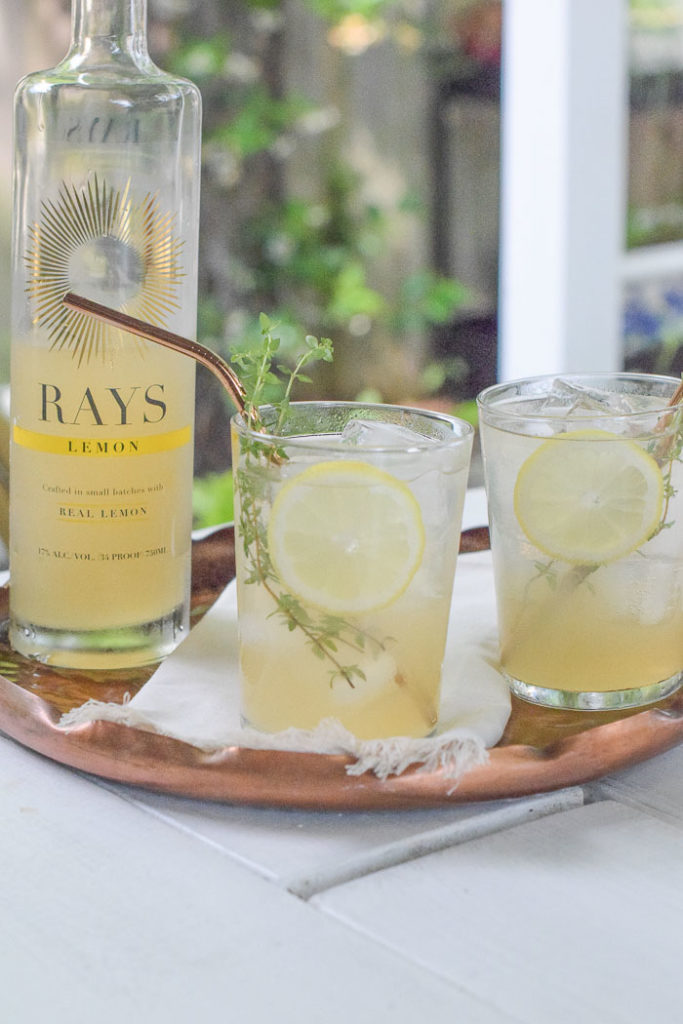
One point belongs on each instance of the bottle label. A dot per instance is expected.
(100, 447)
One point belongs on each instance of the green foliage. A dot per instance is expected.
(320, 254)
(427, 298)
(200, 59)
(467, 411)
(654, 14)
(260, 121)
(310, 262)
(351, 295)
(210, 317)
(653, 227)
(334, 11)
(212, 499)
(254, 362)
(266, 384)
(320, 250)
(668, 454)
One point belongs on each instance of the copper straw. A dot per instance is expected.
(661, 451)
(150, 332)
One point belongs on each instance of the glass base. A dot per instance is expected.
(595, 700)
(123, 647)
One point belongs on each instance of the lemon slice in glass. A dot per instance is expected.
(345, 537)
(588, 497)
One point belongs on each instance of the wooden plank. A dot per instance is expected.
(307, 852)
(575, 917)
(290, 846)
(110, 915)
(655, 786)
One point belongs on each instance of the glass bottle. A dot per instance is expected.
(106, 205)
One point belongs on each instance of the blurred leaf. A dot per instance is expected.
(429, 298)
(337, 10)
(260, 121)
(212, 499)
(467, 411)
(433, 377)
(352, 296)
(442, 372)
(411, 203)
(210, 318)
(200, 59)
(370, 396)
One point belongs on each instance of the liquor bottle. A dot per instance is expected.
(106, 205)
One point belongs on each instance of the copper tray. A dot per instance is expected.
(541, 749)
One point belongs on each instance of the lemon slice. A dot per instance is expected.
(345, 537)
(589, 496)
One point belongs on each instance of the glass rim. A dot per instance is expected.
(462, 429)
(486, 398)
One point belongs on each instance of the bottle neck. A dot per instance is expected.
(117, 27)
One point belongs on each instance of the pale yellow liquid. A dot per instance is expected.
(616, 628)
(285, 685)
(99, 542)
(595, 636)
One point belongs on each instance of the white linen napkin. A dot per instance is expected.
(194, 695)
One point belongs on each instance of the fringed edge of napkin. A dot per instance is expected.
(453, 752)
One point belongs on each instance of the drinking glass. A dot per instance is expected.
(585, 488)
(347, 520)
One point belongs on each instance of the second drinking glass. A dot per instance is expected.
(585, 490)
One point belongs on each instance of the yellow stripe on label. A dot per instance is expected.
(101, 447)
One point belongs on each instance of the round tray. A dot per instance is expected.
(542, 749)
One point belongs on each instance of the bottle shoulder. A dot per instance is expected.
(92, 78)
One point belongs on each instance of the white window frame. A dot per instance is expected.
(564, 186)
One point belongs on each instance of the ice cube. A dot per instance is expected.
(435, 473)
(392, 438)
(403, 452)
(372, 436)
(379, 434)
(571, 399)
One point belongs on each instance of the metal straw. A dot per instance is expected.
(151, 332)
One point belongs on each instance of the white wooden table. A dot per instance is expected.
(122, 905)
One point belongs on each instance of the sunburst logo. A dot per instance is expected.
(98, 242)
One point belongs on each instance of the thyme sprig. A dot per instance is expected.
(330, 638)
(672, 453)
(257, 374)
